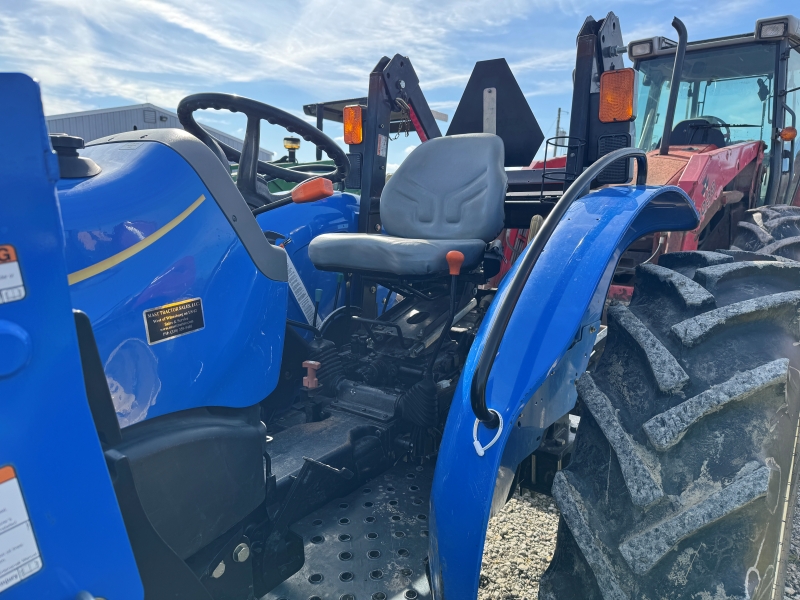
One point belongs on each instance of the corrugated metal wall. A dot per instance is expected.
(94, 124)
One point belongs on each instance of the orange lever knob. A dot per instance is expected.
(454, 259)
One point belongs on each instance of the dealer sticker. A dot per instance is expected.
(173, 320)
(19, 553)
(11, 286)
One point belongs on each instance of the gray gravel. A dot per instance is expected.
(520, 543)
(519, 546)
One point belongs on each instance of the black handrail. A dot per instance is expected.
(507, 303)
(675, 84)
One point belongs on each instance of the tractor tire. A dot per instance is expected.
(772, 230)
(682, 483)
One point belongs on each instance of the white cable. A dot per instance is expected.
(481, 450)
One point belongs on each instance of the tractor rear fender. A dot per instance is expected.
(546, 346)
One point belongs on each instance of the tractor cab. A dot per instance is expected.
(718, 118)
(734, 91)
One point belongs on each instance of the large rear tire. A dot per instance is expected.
(683, 479)
(772, 230)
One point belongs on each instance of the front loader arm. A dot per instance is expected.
(546, 346)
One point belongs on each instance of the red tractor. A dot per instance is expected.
(718, 119)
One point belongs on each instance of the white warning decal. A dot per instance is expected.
(11, 286)
(19, 553)
(383, 145)
(300, 294)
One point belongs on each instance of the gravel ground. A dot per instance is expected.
(519, 545)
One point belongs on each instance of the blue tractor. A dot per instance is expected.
(211, 390)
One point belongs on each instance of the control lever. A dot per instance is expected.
(455, 260)
(317, 300)
(419, 404)
(339, 280)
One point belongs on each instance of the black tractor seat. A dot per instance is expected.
(696, 131)
(447, 195)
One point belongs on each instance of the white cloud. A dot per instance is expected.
(164, 50)
(94, 53)
(443, 105)
(545, 88)
(409, 149)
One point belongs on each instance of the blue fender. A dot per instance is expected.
(532, 384)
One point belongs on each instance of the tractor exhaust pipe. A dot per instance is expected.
(675, 84)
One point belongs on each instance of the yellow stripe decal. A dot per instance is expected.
(113, 261)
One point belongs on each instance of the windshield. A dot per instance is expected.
(729, 90)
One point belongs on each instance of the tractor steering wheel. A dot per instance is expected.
(253, 190)
(726, 135)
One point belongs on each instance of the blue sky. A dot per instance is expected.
(102, 53)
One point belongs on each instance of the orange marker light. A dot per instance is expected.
(314, 189)
(353, 126)
(617, 96)
(787, 134)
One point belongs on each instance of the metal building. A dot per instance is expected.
(93, 124)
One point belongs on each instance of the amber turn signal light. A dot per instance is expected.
(311, 190)
(617, 96)
(787, 134)
(291, 143)
(353, 125)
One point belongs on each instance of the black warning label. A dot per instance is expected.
(173, 320)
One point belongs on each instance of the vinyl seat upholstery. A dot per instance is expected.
(447, 195)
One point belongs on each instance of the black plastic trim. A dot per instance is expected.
(94, 378)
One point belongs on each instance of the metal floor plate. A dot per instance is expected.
(370, 545)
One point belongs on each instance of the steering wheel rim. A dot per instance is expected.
(717, 121)
(249, 165)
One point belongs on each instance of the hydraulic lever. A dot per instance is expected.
(455, 260)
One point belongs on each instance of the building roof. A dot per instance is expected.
(93, 124)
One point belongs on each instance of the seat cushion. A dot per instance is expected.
(696, 131)
(391, 255)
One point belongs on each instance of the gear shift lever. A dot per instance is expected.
(454, 260)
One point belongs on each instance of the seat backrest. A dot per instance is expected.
(696, 131)
(448, 188)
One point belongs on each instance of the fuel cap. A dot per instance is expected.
(70, 163)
